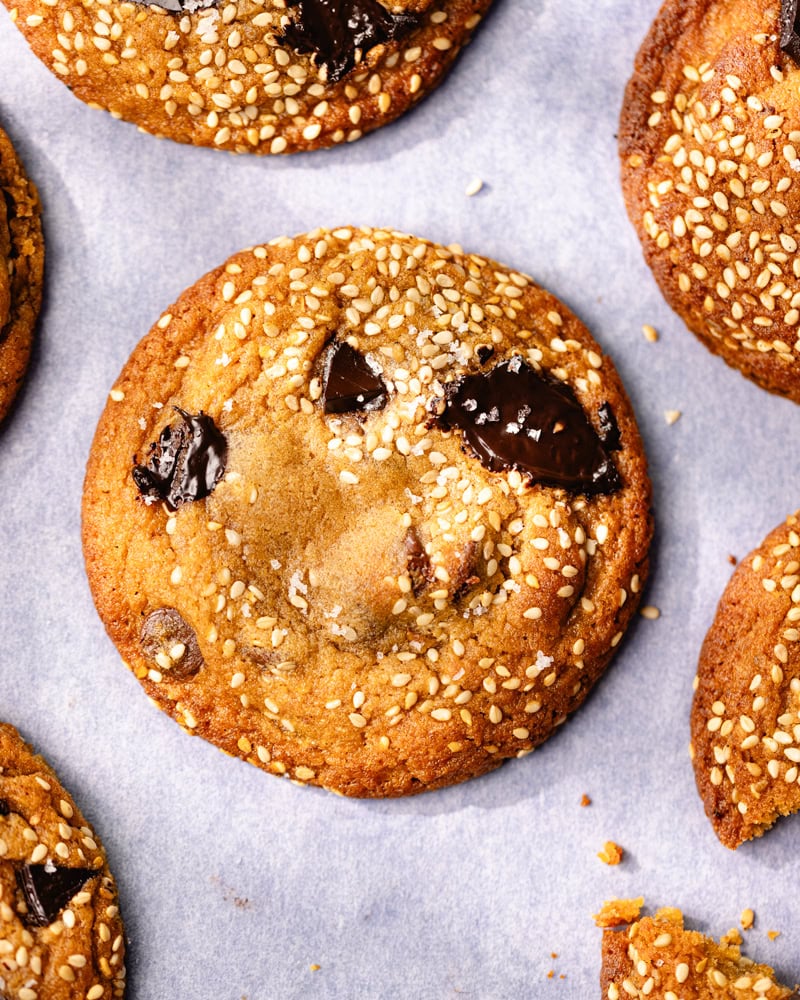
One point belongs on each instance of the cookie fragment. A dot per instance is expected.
(657, 957)
(21, 270)
(61, 936)
(709, 158)
(269, 77)
(369, 606)
(746, 712)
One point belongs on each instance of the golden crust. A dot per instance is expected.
(82, 952)
(657, 958)
(22, 265)
(221, 77)
(746, 711)
(336, 673)
(709, 141)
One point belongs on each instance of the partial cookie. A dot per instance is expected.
(21, 269)
(657, 958)
(61, 937)
(746, 711)
(257, 76)
(710, 153)
(388, 517)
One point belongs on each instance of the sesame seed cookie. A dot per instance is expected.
(388, 515)
(746, 711)
(657, 958)
(61, 937)
(710, 154)
(21, 270)
(254, 76)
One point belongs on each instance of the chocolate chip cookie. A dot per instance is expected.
(656, 957)
(710, 153)
(61, 937)
(367, 511)
(21, 269)
(746, 711)
(260, 76)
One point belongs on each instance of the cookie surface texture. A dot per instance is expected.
(307, 568)
(656, 957)
(746, 711)
(262, 76)
(710, 154)
(21, 270)
(61, 937)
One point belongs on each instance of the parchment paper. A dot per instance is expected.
(233, 883)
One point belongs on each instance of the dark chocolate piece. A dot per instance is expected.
(350, 383)
(48, 889)
(418, 565)
(484, 352)
(790, 29)
(162, 631)
(339, 32)
(609, 428)
(185, 464)
(5, 808)
(514, 418)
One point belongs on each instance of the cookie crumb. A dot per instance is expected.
(732, 938)
(551, 973)
(773, 935)
(585, 801)
(650, 612)
(474, 186)
(611, 854)
(732, 560)
(650, 333)
(315, 967)
(672, 416)
(747, 919)
(619, 911)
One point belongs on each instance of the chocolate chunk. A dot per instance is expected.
(418, 565)
(609, 429)
(185, 464)
(350, 383)
(48, 889)
(514, 418)
(339, 32)
(165, 629)
(5, 808)
(790, 29)
(484, 352)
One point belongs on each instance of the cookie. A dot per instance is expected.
(387, 515)
(21, 270)
(657, 958)
(61, 937)
(746, 710)
(710, 154)
(256, 76)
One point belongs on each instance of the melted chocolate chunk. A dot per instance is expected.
(48, 889)
(513, 418)
(185, 464)
(165, 629)
(350, 384)
(5, 808)
(609, 429)
(790, 29)
(336, 31)
(484, 352)
(418, 565)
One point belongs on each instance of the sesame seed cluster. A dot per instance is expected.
(366, 606)
(82, 951)
(746, 711)
(657, 958)
(710, 153)
(225, 76)
(21, 270)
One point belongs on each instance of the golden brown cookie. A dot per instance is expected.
(388, 515)
(256, 76)
(61, 937)
(21, 269)
(710, 154)
(656, 958)
(746, 711)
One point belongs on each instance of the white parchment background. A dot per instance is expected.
(233, 882)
